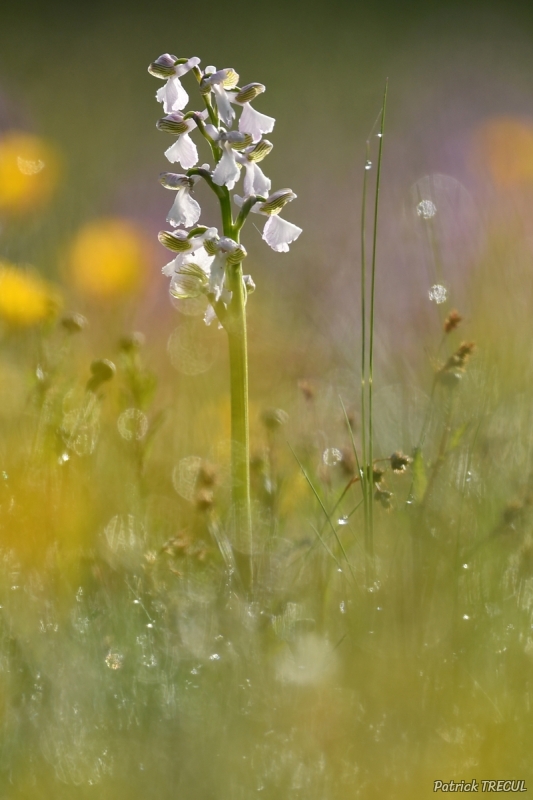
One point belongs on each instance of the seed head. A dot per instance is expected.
(399, 462)
(452, 321)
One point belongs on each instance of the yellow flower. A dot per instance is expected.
(504, 146)
(25, 298)
(29, 170)
(107, 258)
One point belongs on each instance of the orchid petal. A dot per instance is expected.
(217, 273)
(226, 172)
(185, 211)
(226, 112)
(183, 151)
(278, 233)
(181, 69)
(172, 95)
(254, 123)
(170, 268)
(255, 181)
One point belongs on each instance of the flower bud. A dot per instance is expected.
(177, 241)
(259, 151)
(74, 323)
(163, 67)
(132, 342)
(102, 370)
(249, 92)
(172, 181)
(249, 284)
(274, 418)
(173, 123)
(276, 201)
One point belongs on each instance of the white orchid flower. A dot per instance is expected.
(277, 233)
(186, 246)
(226, 251)
(228, 171)
(185, 211)
(172, 94)
(220, 82)
(184, 150)
(255, 181)
(251, 121)
(191, 279)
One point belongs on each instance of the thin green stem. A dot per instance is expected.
(235, 325)
(367, 495)
(370, 542)
(324, 509)
(238, 357)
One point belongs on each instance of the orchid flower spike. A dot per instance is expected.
(277, 233)
(185, 211)
(172, 94)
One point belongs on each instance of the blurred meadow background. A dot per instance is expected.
(146, 649)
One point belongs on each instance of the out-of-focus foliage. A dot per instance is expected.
(147, 648)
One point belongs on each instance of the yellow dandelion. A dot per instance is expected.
(25, 298)
(504, 146)
(107, 258)
(29, 171)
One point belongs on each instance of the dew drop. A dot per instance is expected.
(343, 520)
(214, 657)
(114, 660)
(132, 424)
(368, 165)
(438, 294)
(331, 456)
(426, 209)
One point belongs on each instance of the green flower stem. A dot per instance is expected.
(235, 325)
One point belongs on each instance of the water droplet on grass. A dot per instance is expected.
(332, 456)
(132, 424)
(438, 294)
(426, 209)
(114, 660)
(343, 520)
